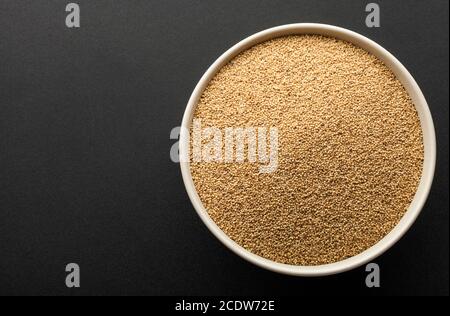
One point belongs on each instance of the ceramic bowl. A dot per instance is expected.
(428, 138)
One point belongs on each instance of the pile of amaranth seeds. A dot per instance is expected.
(350, 150)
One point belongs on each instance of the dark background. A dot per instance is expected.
(85, 173)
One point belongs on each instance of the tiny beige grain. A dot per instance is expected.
(350, 155)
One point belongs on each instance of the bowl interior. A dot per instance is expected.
(428, 139)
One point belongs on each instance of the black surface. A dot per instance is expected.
(85, 174)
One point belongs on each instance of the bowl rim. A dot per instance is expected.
(429, 140)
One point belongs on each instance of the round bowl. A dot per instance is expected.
(426, 122)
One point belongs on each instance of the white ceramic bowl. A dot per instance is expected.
(428, 138)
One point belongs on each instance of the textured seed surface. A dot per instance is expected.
(350, 150)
